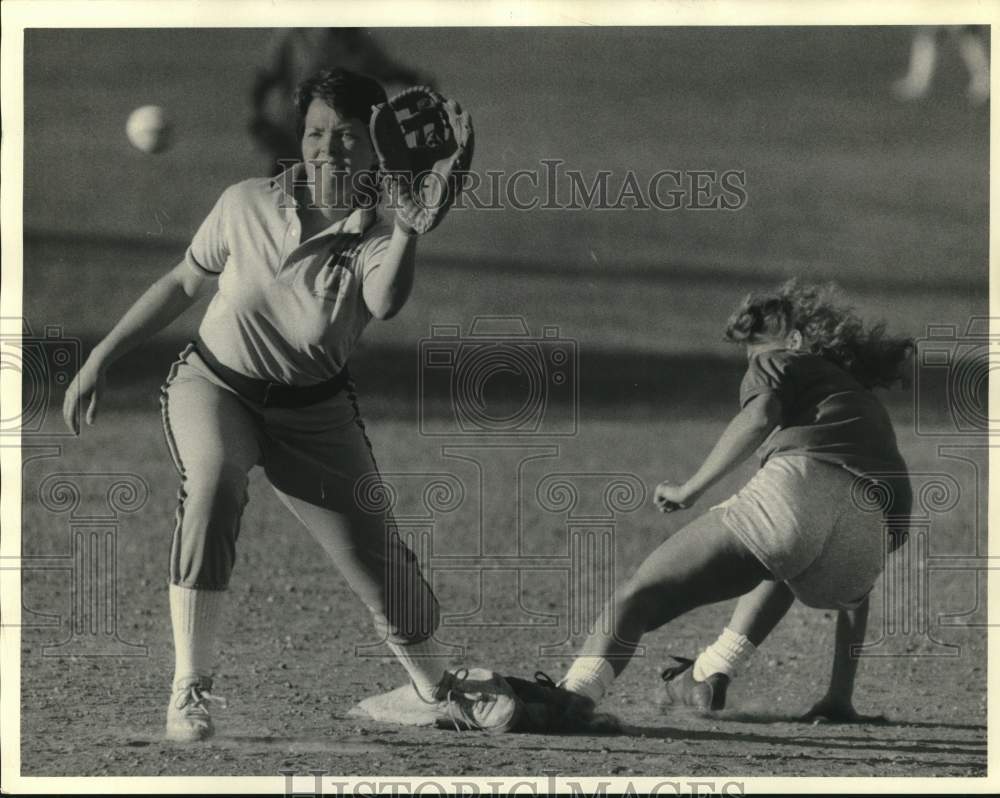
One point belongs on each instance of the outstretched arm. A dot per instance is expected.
(162, 302)
(745, 433)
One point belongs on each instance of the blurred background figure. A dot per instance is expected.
(296, 53)
(971, 42)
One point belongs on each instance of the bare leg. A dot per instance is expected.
(923, 58)
(837, 706)
(760, 610)
(756, 614)
(701, 564)
(972, 49)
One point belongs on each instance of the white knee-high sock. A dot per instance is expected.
(194, 615)
(423, 663)
(589, 676)
(923, 57)
(977, 62)
(729, 654)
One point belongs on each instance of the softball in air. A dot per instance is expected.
(149, 129)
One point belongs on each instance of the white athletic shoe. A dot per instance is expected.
(478, 699)
(465, 700)
(188, 719)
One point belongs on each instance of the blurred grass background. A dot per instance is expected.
(843, 182)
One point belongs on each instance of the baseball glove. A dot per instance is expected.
(424, 145)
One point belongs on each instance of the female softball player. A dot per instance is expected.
(801, 528)
(303, 262)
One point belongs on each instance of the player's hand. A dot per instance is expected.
(830, 709)
(670, 496)
(85, 389)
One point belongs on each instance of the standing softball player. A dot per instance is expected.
(303, 262)
(799, 529)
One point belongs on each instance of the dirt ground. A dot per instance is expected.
(297, 654)
(289, 702)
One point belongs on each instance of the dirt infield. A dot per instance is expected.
(297, 653)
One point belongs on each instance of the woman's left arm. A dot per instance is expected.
(387, 287)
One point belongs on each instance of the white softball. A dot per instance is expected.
(149, 129)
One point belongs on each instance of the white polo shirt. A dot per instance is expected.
(288, 311)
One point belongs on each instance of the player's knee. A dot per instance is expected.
(216, 483)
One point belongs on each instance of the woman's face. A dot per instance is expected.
(335, 150)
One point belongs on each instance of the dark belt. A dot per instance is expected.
(272, 394)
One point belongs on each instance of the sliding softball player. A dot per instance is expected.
(801, 529)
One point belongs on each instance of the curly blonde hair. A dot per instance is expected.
(830, 329)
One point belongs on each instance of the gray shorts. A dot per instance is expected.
(798, 517)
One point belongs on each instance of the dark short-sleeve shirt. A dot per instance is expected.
(828, 415)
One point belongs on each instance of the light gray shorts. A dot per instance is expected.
(798, 517)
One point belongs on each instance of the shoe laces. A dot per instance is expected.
(672, 671)
(195, 695)
(542, 678)
(459, 719)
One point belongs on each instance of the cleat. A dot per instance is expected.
(188, 719)
(476, 700)
(551, 708)
(681, 688)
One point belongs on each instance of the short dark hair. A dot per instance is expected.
(349, 94)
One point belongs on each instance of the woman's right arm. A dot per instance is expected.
(162, 302)
(748, 430)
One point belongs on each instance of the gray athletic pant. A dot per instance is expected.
(313, 457)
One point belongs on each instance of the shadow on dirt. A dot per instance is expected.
(881, 721)
(833, 739)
